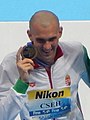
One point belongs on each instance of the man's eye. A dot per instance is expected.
(52, 39)
(40, 40)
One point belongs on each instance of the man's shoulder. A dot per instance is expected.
(71, 45)
(9, 58)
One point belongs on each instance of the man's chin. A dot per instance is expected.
(46, 57)
(48, 60)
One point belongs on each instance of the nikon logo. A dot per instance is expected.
(49, 94)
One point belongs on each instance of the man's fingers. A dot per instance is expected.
(18, 55)
(26, 61)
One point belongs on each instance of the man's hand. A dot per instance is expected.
(24, 65)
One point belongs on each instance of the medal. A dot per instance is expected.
(29, 52)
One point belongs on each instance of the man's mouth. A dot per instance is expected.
(47, 52)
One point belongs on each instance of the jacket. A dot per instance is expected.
(52, 93)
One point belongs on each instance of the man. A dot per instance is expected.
(50, 80)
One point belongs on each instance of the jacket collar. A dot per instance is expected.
(59, 53)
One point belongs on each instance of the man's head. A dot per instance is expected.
(44, 33)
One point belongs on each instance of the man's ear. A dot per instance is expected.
(29, 34)
(60, 31)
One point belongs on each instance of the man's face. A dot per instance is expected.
(46, 41)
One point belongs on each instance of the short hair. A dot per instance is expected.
(43, 16)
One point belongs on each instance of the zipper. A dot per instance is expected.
(50, 80)
(49, 75)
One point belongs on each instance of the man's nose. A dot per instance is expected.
(47, 45)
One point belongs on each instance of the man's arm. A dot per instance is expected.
(11, 100)
(13, 103)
